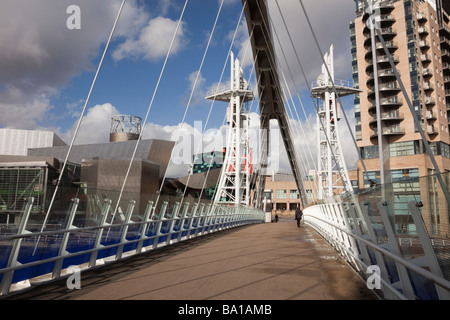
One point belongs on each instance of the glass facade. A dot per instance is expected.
(407, 148)
(208, 161)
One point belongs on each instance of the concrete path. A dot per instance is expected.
(272, 261)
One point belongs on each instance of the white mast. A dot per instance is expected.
(234, 183)
(331, 163)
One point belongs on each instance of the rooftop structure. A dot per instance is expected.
(16, 142)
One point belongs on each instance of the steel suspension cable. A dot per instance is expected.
(150, 106)
(334, 89)
(309, 89)
(210, 111)
(82, 114)
(190, 98)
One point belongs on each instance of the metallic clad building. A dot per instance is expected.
(104, 178)
(158, 151)
(94, 172)
(16, 142)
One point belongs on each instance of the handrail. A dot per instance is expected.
(359, 227)
(156, 229)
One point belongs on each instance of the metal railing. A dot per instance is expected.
(391, 231)
(30, 257)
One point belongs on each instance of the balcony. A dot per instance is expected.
(388, 116)
(389, 131)
(393, 101)
(390, 45)
(424, 44)
(384, 74)
(426, 72)
(381, 21)
(389, 87)
(427, 86)
(430, 115)
(425, 58)
(431, 130)
(423, 31)
(421, 17)
(384, 7)
(382, 61)
(429, 101)
(445, 53)
(387, 33)
(445, 66)
(445, 41)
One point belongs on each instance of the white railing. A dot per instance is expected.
(36, 257)
(403, 267)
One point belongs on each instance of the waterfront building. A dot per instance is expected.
(417, 37)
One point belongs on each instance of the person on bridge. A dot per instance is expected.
(298, 215)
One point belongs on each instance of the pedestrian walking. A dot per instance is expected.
(298, 215)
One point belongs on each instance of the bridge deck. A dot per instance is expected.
(272, 261)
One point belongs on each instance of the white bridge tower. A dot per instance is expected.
(331, 172)
(234, 183)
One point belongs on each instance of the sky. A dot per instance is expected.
(48, 68)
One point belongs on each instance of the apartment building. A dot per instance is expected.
(417, 37)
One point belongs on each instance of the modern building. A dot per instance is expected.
(416, 35)
(281, 195)
(16, 142)
(93, 172)
(202, 183)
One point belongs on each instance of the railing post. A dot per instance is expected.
(123, 237)
(144, 226)
(184, 215)
(362, 247)
(159, 223)
(405, 281)
(172, 218)
(12, 261)
(62, 248)
(103, 223)
(380, 261)
(431, 258)
(350, 240)
(200, 213)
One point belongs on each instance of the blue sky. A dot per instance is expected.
(48, 69)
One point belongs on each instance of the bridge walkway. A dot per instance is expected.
(271, 261)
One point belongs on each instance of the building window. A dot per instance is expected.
(294, 194)
(268, 194)
(281, 194)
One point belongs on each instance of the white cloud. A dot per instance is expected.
(330, 25)
(153, 42)
(196, 93)
(39, 55)
(95, 126)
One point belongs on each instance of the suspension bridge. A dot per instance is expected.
(227, 248)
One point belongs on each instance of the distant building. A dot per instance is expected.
(16, 142)
(208, 161)
(93, 172)
(203, 181)
(281, 195)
